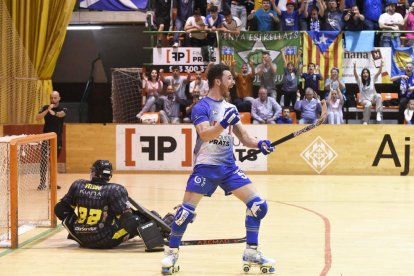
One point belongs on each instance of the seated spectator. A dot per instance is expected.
(312, 77)
(334, 82)
(244, 87)
(409, 25)
(290, 17)
(162, 18)
(194, 27)
(409, 111)
(199, 86)
(179, 84)
(314, 17)
(214, 22)
(184, 11)
(231, 24)
(354, 20)
(170, 113)
(189, 109)
(333, 20)
(368, 94)
(310, 106)
(390, 20)
(152, 89)
(285, 118)
(265, 110)
(290, 81)
(267, 74)
(334, 104)
(265, 17)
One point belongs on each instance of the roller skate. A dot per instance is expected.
(253, 257)
(169, 261)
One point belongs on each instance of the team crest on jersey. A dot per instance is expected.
(200, 180)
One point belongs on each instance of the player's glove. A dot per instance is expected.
(265, 147)
(231, 117)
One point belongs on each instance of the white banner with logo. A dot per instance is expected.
(370, 60)
(180, 56)
(170, 148)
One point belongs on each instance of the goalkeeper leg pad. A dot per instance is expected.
(151, 235)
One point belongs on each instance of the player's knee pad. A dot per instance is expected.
(257, 208)
(130, 223)
(184, 216)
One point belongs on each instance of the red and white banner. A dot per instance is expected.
(170, 148)
(179, 56)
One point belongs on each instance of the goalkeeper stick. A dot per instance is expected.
(321, 119)
(213, 241)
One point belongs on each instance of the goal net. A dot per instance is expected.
(126, 94)
(28, 172)
(18, 78)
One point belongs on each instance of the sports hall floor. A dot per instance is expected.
(316, 225)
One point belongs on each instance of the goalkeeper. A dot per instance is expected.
(97, 214)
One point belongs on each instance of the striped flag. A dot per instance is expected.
(324, 49)
(291, 54)
(227, 55)
(114, 5)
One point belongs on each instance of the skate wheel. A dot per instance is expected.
(264, 270)
(177, 268)
(246, 268)
(167, 271)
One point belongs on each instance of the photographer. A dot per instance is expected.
(354, 20)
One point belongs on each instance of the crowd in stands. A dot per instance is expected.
(200, 19)
(174, 96)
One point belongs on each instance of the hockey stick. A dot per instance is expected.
(213, 241)
(321, 119)
(148, 214)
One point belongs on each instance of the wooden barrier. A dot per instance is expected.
(346, 149)
(86, 143)
(329, 149)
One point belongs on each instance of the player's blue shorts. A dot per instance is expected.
(206, 178)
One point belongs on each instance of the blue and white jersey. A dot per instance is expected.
(218, 151)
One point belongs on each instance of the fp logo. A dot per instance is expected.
(177, 56)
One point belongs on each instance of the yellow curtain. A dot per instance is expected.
(41, 26)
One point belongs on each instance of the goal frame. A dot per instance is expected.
(14, 208)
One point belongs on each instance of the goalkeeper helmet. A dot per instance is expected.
(102, 169)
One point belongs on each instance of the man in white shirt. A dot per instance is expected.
(390, 20)
(199, 86)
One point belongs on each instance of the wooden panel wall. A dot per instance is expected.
(86, 143)
(355, 148)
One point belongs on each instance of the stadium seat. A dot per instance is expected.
(293, 116)
(385, 97)
(245, 118)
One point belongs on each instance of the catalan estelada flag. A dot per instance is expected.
(291, 54)
(324, 49)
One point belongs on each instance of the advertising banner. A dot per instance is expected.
(170, 148)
